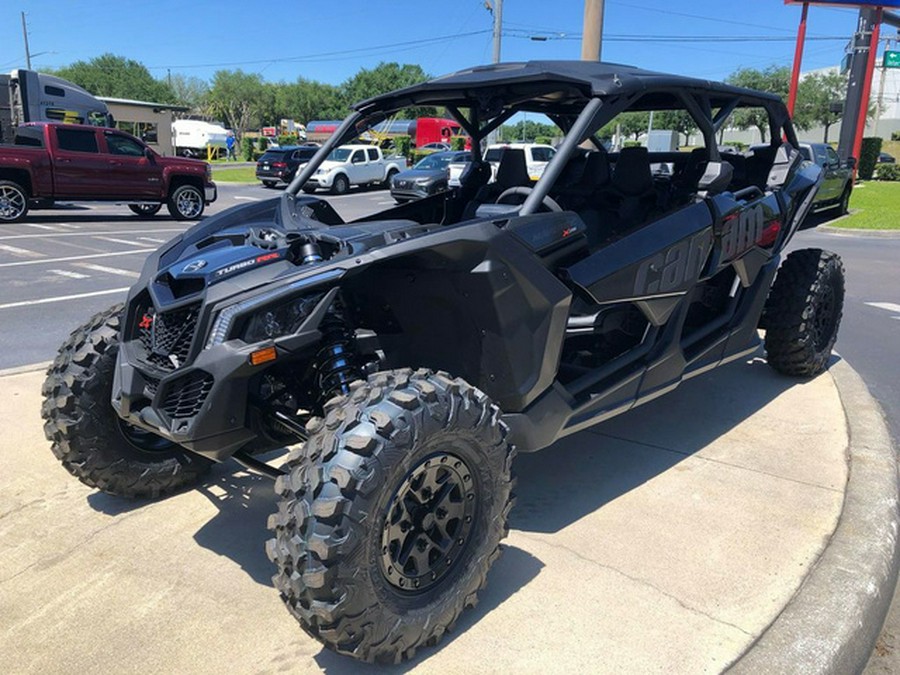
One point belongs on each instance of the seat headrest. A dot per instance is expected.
(596, 170)
(716, 178)
(632, 175)
(513, 169)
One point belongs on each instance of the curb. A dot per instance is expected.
(28, 368)
(832, 622)
(851, 232)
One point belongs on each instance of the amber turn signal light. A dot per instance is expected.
(261, 356)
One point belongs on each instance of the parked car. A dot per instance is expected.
(837, 185)
(280, 164)
(427, 177)
(407, 355)
(71, 162)
(885, 158)
(436, 147)
(351, 165)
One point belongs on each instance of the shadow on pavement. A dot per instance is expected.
(513, 570)
(579, 474)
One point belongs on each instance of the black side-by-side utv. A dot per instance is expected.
(406, 356)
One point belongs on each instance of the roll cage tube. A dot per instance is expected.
(581, 128)
(336, 139)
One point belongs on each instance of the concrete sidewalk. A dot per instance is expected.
(696, 533)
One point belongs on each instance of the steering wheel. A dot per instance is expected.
(517, 195)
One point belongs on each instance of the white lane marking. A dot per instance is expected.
(888, 306)
(120, 241)
(74, 257)
(69, 226)
(61, 298)
(384, 203)
(248, 199)
(41, 227)
(157, 241)
(88, 234)
(109, 270)
(15, 250)
(70, 274)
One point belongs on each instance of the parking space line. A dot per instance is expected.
(15, 250)
(156, 241)
(61, 298)
(41, 227)
(248, 199)
(69, 226)
(70, 274)
(20, 263)
(9, 237)
(120, 241)
(888, 307)
(109, 270)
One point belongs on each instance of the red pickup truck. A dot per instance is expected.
(69, 162)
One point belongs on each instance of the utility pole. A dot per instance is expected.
(592, 34)
(498, 28)
(859, 61)
(25, 35)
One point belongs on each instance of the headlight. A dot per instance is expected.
(423, 181)
(208, 173)
(319, 172)
(284, 304)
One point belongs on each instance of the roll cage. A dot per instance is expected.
(579, 97)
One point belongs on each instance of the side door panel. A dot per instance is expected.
(80, 170)
(133, 175)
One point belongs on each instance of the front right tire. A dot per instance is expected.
(392, 513)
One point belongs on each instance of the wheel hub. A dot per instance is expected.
(428, 523)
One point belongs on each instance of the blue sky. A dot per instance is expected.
(330, 41)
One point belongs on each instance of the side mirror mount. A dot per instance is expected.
(148, 153)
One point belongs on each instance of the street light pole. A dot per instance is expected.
(25, 35)
(592, 34)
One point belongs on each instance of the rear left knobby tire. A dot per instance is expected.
(803, 312)
(89, 438)
(392, 513)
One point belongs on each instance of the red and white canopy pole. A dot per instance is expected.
(798, 59)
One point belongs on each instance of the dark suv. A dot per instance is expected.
(279, 165)
(406, 356)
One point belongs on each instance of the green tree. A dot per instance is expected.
(528, 130)
(383, 78)
(239, 98)
(306, 100)
(117, 77)
(675, 120)
(817, 97)
(774, 79)
(190, 91)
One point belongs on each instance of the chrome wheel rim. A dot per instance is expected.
(12, 202)
(189, 203)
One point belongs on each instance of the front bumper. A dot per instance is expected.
(210, 193)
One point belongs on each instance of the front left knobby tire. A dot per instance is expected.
(90, 439)
(803, 312)
(392, 513)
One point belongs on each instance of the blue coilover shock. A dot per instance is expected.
(337, 359)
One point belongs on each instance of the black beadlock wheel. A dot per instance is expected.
(803, 312)
(392, 513)
(93, 443)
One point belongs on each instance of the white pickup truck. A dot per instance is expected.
(350, 165)
(537, 156)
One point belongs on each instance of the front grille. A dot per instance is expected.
(167, 337)
(187, 394)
